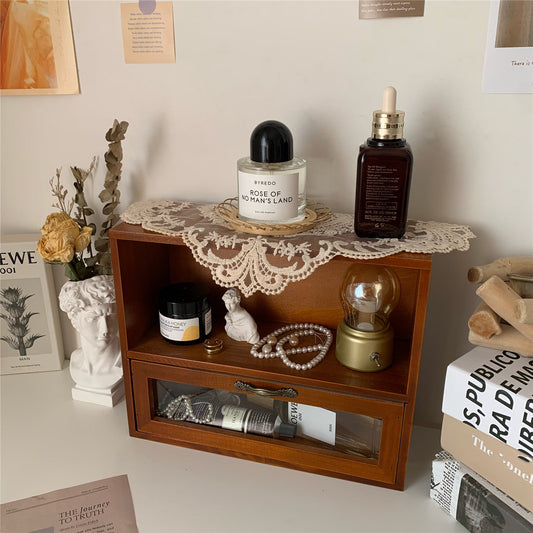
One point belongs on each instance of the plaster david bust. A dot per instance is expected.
(91, 307)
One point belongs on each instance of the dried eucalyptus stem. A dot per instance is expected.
(110, 195)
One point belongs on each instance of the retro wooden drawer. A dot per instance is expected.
(364, 438)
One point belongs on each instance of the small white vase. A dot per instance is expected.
(96, 367)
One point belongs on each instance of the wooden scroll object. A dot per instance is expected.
(501, 267)
(501, 299)
(509, 339)
(523, 310)
(484, 322)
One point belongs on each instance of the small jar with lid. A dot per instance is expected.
(184, 313)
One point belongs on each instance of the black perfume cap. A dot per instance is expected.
(287, 430)
(271, 142)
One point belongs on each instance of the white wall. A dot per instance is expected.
(317, 68)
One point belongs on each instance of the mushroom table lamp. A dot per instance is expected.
(365, 337)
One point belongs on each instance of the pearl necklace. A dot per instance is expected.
(264, 349)
(171, 410)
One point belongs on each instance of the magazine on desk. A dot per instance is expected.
(474, 502)
(498, 463)
(104, 506)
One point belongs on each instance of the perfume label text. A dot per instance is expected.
(270, 198)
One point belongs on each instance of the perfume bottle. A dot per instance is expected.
(271, 181)
(384, 169)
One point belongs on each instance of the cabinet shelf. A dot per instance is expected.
(144, 262)
(236, 358)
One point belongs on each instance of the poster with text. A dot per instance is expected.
(148, 34)
(381, 9)
(509, 55)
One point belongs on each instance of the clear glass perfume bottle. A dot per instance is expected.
(271, 182)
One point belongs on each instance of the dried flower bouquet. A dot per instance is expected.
(67, 238)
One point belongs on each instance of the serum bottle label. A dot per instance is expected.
(383, 193)
(268, 197)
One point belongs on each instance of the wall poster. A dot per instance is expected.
(509, 55)
(37, 48)
(381, 9)
(148, 32)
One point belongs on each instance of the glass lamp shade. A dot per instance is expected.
(368, 293)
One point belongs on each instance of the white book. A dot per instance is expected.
(492, 391)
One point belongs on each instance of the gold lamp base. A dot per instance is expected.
(366, 351)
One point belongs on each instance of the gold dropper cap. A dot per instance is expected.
(388, 121)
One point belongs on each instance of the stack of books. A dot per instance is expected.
(484, 476)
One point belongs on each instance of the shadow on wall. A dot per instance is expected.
(436, 172)
(139, 177)
(452, 300)
(327, 174)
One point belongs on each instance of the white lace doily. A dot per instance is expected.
(267, 264)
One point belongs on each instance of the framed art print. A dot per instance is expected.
(37, 50)
(30, 336)
(509, 52)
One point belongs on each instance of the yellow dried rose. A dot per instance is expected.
(84, 238)
(61, 238)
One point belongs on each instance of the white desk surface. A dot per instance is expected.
(49, 442)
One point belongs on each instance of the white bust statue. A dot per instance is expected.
(91, 308)
(240, 325)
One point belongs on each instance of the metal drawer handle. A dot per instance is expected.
(246, 387)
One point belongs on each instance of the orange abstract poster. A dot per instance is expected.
(37, 49)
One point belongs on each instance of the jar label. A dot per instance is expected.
(179, 329)
(268, 197)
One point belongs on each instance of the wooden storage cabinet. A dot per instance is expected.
(145, 262)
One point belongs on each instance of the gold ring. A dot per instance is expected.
(212, 346)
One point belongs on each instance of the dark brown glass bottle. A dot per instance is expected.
(384, 168)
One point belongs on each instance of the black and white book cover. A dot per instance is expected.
(30, 338)
(474, 502)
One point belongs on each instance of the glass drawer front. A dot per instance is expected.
(259, 415)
